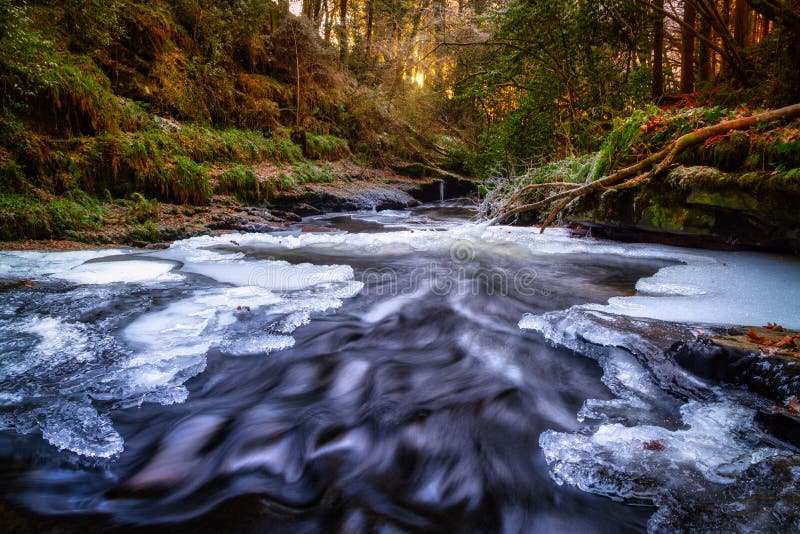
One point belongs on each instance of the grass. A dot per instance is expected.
(29, 217)
(185, 181)
(170, 165)
(311, 173)
(146, 232)
(326, 147)
(241, 182)
(143, 210)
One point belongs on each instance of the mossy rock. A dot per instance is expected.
(734, 200)
(677, 219)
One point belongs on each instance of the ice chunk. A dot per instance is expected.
(79, 428)
(27, 263)
(130, 271)
(273, 275)
(626, 462)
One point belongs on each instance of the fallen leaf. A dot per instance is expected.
(653, 445)
(755, 337)
(793, 406)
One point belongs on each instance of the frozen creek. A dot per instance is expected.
(401, 370)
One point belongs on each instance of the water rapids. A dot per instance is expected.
(392, 371)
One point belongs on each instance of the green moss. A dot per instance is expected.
(326, 147)
(677, 219)
(728, 153)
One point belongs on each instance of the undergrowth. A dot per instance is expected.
(326, 147)
(33, 218)
(243, 183)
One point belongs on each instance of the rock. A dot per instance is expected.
(782, 425)
(168, 125)
(775, 376)
(764, 498)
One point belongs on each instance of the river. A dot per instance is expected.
(392, 371)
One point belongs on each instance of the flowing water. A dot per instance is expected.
(392, 371)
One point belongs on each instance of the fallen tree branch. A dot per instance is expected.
(663, 159)
(532, 187)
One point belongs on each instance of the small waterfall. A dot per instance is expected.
(441, 191)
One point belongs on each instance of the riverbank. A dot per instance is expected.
(346, 186)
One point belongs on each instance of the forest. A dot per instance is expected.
(115, 113)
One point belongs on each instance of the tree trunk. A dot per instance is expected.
(704, 58)
(658, 52)
(368, 30)
(741, 22)
(439, 7)
(342, 30)
(687, 47)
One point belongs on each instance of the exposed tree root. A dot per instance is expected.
(635, 174)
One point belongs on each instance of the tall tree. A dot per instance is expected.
(741, 22)
(342, 30)
(687, 46)
(658, 50)
(368, 29)
(704, 54)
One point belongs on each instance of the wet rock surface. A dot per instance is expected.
(775, 376)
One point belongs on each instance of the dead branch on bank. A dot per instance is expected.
(635, 174)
